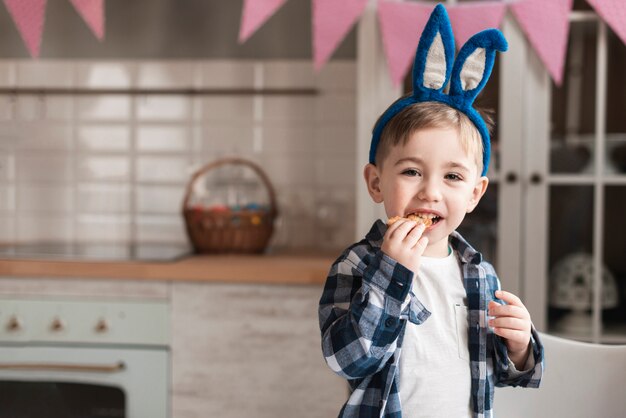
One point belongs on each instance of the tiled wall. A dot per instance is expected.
(113, 168)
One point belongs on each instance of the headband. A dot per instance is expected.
(435, 66)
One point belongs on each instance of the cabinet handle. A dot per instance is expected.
(511, 177)
(535, 178)
(61, 367)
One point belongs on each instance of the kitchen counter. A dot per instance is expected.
(262, 269)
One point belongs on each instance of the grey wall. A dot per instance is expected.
(164, 29)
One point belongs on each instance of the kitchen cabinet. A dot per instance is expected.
(235, 349)
(250, 350)
(551, 221)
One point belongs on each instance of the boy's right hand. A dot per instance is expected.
(404, 242)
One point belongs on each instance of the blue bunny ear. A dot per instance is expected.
(474, 63)
(435, 54)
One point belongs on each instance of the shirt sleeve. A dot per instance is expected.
(359, 312)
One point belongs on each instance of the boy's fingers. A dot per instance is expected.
(421, 245)
(414, 234)
(401, 227)
(513, 311)
(509, 323)
(509, 297)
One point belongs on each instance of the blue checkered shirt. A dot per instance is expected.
(362, 340)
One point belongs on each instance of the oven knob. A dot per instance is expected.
(57, 325)
(14, 324)
(102, 325)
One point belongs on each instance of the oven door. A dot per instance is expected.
(86, 382)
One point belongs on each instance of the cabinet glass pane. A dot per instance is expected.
(570, 282)
(572, 128)
(614, 291)
(615, 105)
(480, 227)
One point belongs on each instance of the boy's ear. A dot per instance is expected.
(372, 179)
(479, 190)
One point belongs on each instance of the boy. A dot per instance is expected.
(404, 312)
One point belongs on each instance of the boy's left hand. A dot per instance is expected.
(511, 322)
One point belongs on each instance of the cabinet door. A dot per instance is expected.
(572, 148)
(250, 351)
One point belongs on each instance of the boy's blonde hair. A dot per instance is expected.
(425, 115)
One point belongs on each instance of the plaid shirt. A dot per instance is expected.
(362, 320)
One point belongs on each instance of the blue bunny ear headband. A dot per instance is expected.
(433, 69)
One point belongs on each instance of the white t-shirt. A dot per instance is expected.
(435, 377)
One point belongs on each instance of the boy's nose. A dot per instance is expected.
(429, 191)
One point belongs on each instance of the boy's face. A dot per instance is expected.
(431, 174)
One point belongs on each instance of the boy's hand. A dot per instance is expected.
(404, 242)
(512, 322)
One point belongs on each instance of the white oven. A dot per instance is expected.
(83, 359)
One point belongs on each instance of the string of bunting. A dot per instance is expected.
(545, 24)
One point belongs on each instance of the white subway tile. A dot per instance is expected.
(45, 199)
(44, 228)
(163, 138)
(8, 73)
(7, 229)
(301, 109)
(289, 74)
(166, 74)
(159, 199)
(234, 74)
(34, 167)
(103, 137)
(7, 198)
(338, 76)
(161, 228)
(163, 169)
(220, 139)
(45, 136)
(338, 171)
(294, 171)
(103, 198)
(104, 107)
(164, 108)
(336, 108)
(288, 139)
(224, 109)
(7, 166)
(335, 140)
(103, 228)
(45, 73)
(109, 168)
(105, 74)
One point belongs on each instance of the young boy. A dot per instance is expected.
(404, 313)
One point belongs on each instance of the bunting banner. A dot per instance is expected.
(613, 12)
(254, 14)
(92, 12)
(546, 26)
(332, 20)
(401, 24)
(29, 16)
(470, 18)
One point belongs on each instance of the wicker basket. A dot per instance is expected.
(246, 230)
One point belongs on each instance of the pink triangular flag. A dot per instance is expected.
(401, 25)
(332, 20)
(28, 16)
(254, 14)
(92, 12)
(546, 25)
(468, 19)
(613, 12)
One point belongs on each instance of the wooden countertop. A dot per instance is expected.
(299, 269)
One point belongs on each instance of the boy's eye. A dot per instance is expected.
(410, 172)
(453, 176)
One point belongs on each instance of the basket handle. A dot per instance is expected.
(237, 161)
